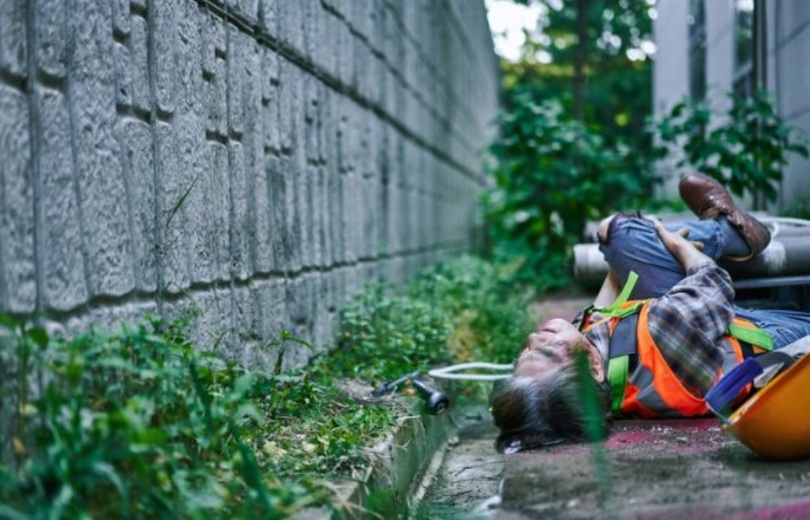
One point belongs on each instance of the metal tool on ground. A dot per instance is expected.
(436, 402)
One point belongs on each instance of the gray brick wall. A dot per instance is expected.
(258, 160)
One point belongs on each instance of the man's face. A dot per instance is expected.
(552, 346)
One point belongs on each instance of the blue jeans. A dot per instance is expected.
(633, 245)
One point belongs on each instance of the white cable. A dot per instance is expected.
(449, 372)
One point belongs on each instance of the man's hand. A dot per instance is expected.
(686, 252)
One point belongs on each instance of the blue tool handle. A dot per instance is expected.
(723, 394)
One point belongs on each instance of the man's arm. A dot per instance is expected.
(685, 252)
(608, 292)
(687, 322)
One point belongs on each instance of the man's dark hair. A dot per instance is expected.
(551, 409)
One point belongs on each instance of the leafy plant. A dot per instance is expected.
(745, 147)
(553, 175)
(133, 423)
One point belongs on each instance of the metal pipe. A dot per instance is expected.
(786, 255)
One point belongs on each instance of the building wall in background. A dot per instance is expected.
(787, 53)
(257, 160)
(778, 59)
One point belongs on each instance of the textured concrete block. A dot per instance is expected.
(321, 217)
(202, 233)
(108, 318)
(326, 311)
(246, 8)
(268, 18)
(239, 229)
(123, 78)
(139, 168)
(175, 184)
(120, 17)
(303, 188)
(257, 219)
(213, 328)
(262, 233)
(310, 222)
(191, 166)
(333, 194)
(236, 71)
(327, 56)
(203, 236)
(213, 43)
(270, 112)
(269, 73)
(291, 24)
(164, 35)
(217, 101)
(101, 184)
(217, 188)
(295, 171)
(300, 308)
(315, 21)
(17, 261)
(51, 28)
(312, 118)
(391, 172)
(286, 99)
(278, 211)
(139, 75)
(270, 304)
(246, 320)
(13, 50)
(62, 244)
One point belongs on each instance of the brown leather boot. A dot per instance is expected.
(708, 200)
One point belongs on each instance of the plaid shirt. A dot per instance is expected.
(686, 324)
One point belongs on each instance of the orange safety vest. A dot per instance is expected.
(653, 389)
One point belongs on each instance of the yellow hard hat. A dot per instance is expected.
(775, 422)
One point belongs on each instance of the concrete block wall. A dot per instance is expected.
(258, 160)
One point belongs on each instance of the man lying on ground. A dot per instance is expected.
(657, 347)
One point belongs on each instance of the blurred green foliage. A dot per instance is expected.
(572, 145)
(744, 146)
(553, 175)
(461, 310)
(614, 43)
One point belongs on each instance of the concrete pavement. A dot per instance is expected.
(654, 469)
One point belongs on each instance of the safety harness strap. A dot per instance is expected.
(622, 346)
(752, 335)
